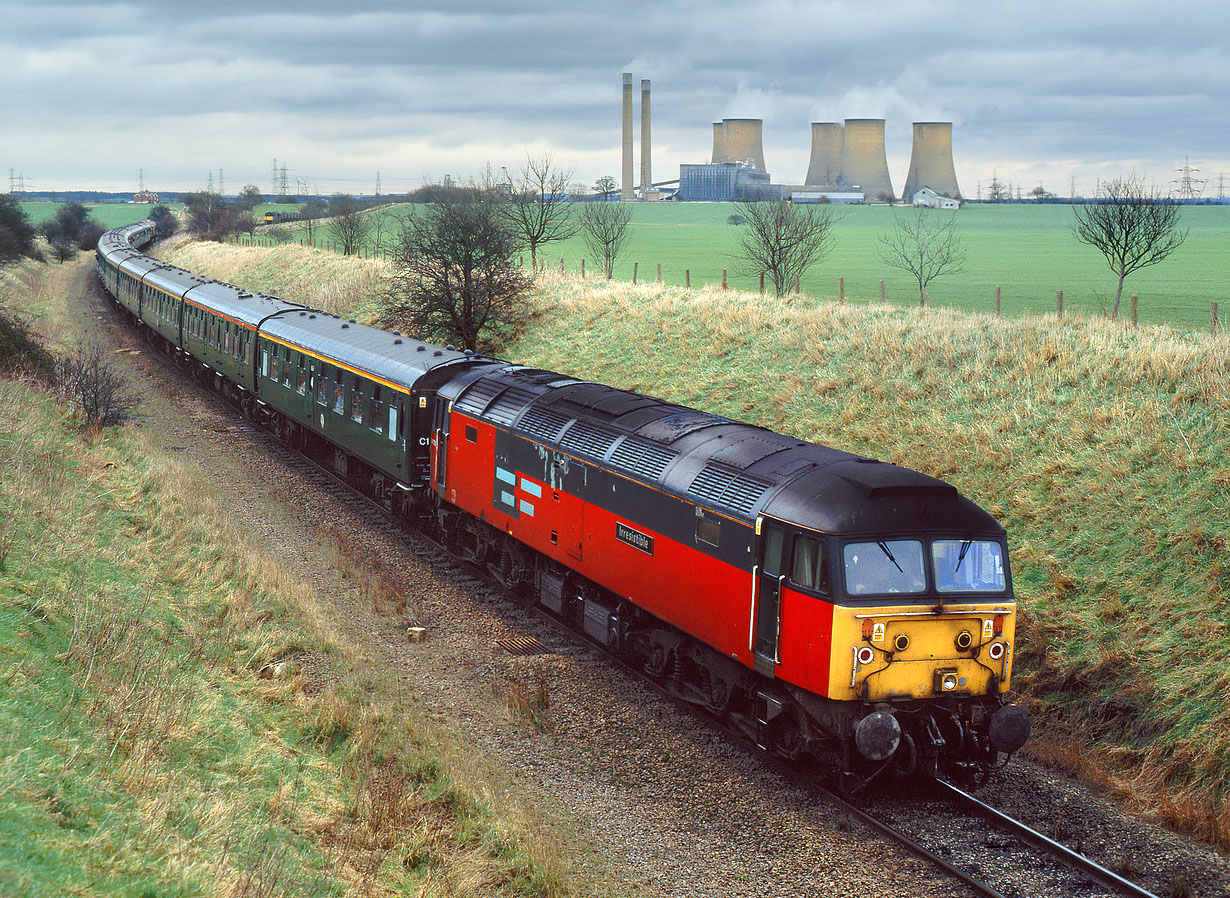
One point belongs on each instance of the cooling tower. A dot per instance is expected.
(719, 142)
(625, 185)
(863, 160)
(743, 141)
(825, 165)
(646, 167)
(931, 161)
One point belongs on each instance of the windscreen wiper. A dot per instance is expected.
(961, 557)
(884, 548)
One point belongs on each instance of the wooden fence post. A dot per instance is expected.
(883, 296)
(1058, 303)
(634, 267)
(1133, 310)
(582, 269)
(561, 264)
(841, 289)
(762, 283)
(997, 308)
(1213, 321)
(723, 278)
(659, 272)
(796, 285)
(687, 278)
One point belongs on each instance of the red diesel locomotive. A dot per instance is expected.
(830, 605)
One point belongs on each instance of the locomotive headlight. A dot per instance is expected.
(964, 640)
(945, 681)
(996, 650)
(901, 642)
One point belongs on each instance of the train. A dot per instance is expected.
(832, 607)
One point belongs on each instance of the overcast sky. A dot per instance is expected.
(1037, 91)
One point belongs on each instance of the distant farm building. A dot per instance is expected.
(932, 200)
(145, 196)
(837, 197)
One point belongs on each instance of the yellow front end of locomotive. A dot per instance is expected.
(908, 653)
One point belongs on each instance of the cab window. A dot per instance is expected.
(811, 567)
(884, 567)
(774, 541)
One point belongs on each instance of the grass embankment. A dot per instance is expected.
(177, 719)
(1103, 450)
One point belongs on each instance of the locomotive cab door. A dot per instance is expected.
(770, 573)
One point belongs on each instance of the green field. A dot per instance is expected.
(1028, 250)
(109, 215)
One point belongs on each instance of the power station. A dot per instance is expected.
(848, 161)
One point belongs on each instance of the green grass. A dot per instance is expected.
(1028, 250)
(109, 215)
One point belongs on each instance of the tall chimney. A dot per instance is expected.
(863, 159)
(931, 161)
(719, 142)
(626, 192)
(646, 167)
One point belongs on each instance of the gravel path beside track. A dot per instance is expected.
(671, 805)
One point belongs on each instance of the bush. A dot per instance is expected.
(22, 351)
(92, 387)
(16, 233)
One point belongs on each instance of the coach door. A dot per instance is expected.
(439, 438)
(769, 574)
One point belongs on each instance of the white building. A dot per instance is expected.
(932, 200)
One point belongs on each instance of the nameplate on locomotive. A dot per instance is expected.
(635, 538)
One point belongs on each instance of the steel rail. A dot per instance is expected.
(1062, 853)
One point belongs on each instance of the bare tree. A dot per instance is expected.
(93, 387)
(1132, 225)
(249, 198)
(351, 226)
(605, 186)
(604, 228)
(925, 244)
(454, 272)
(783, 239)
(539, 208)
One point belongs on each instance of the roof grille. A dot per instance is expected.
(582, 437)
(737, 492)
(542, 424)
(475, 399)
(510, 403)
(642, 458)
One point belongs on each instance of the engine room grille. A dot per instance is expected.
(642, 458)
(509, 405)
(582, 437)
(737, 492)
(475, 399)
(542, 424)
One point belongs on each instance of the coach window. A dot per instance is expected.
(339, 395)
(708, 531)
(322, 385)
(286, 369)
(265, 361)
(811, 564)
(301, 385)
(374, 419)
(275, 366)
(393, 420)
(356, 401)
